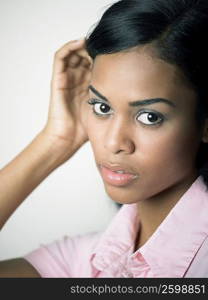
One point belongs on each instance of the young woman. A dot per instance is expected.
(136, 88)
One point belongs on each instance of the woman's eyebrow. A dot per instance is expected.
(135, 103)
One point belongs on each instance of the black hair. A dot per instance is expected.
(177, 29)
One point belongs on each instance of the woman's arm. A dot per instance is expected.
(25, 172)
(17, 268)
(17, 180)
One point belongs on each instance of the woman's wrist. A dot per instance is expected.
(53, 149)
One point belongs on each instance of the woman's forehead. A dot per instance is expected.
(134, 67)
(138, 74)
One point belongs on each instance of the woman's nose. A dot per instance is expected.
(119, 137)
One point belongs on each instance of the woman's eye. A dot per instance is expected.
(146, 117)
(149, 118)
(99, 108)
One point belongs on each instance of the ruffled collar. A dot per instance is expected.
(171, 248)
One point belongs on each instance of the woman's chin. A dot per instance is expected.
(122, 196)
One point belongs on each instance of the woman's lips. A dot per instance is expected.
(116, 179)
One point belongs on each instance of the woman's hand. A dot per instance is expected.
(69, 91)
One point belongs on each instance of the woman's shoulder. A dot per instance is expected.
(87, 241)
(68, 256)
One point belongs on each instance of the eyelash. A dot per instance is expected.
(95, 101)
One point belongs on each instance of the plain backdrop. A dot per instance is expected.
(72, 199)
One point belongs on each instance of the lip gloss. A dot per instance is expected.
(117, 179)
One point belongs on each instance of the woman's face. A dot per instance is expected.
(157, 141)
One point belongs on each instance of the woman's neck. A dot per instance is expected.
(152, 211)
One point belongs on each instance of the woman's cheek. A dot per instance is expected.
(158, 147)
(176, 150)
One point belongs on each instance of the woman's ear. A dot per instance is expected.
(205, 132)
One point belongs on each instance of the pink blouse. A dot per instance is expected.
(178, 248)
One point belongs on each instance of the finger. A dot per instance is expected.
(83, 62)
(75, 79)
(69, 80)
(83, 53)
(74, 60)
(79, 57)
(86, 63)
(68, 47)
(64, 52)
